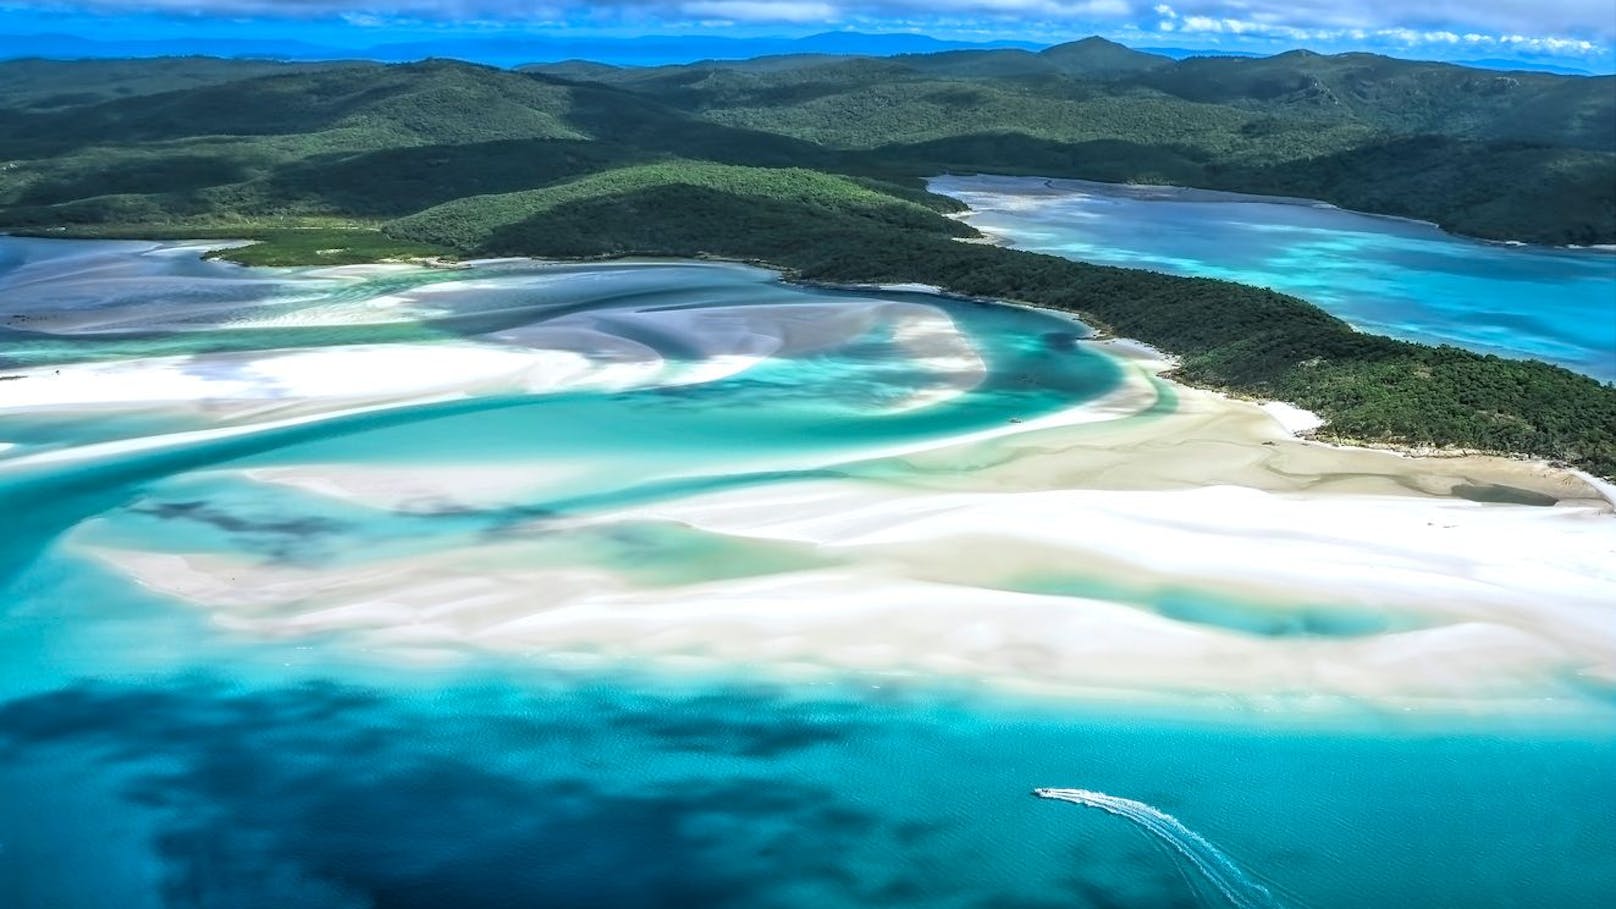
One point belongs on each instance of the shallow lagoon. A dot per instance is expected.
(206, 737)
(1384, 275)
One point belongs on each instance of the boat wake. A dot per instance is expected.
(1234, 884)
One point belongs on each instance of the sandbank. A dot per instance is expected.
(1502, 606)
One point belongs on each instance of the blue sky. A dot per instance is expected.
(1578, 33)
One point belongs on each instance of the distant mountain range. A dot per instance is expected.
(651, 50)
(643, 51)
(1520, 66)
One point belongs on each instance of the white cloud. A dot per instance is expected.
(761, 10)
(1590, 19)
(1398, 37)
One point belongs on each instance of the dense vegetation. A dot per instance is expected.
(1525, 156)
(813, 164)
(566, 220)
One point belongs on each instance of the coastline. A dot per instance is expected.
(1163, 364)
(1296, 421)
(1325, 431)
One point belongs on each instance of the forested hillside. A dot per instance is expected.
(1525, 156)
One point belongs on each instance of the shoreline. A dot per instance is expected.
(1319, 434)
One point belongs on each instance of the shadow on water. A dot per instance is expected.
(1496, 494)
(478, 797)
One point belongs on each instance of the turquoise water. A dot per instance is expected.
(616, 792)
(1384, 275)
(152, 756)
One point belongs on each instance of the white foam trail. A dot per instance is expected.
(1221, 871)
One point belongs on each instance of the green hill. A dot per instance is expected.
(1510, 156)
(1404, 97)
(359, 106)
(1090, 58)
(1524, 156)
(356, 143)
(1099, 58)
(680, 208)
(1474, 188)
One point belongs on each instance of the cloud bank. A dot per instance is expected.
(1570, 17)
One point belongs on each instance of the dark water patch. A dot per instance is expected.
(503, 521)
(283, 538)
(227, 514)
(52, 499)
(1061, 340)
(320, 795)
(745, 733)
(1496, 493)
